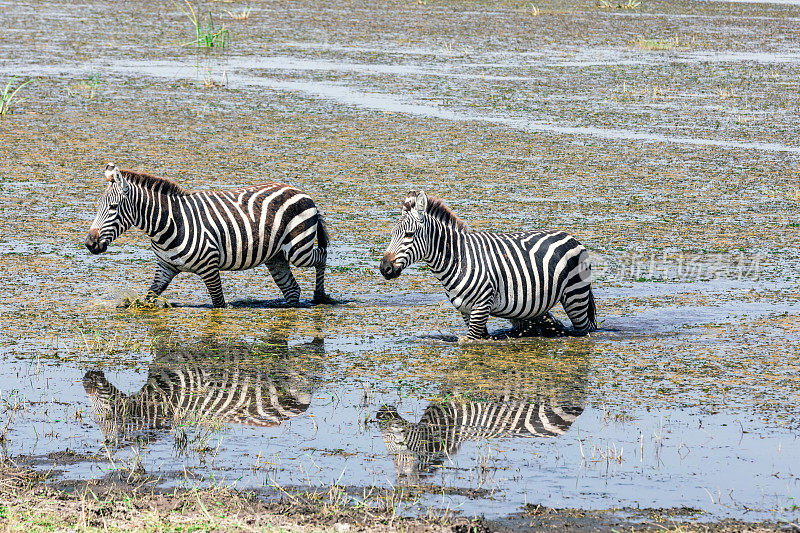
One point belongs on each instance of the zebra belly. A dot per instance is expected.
(180, 264)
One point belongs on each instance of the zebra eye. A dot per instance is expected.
(409, 234)
(113, 205)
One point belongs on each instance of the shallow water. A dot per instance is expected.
(676, 167)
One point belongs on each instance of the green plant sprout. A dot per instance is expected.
(8, 95)
(209, 37)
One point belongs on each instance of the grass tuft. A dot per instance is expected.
(145, 303)
(239, 15)
(8, 95)
(208, 37)
(87, 88)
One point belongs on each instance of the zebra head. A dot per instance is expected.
(106, 402)
(114, 213)
(408, 236)
(394, 430)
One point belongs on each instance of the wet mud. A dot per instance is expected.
(664, 136)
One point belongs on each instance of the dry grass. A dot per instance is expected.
(27, 503)
(242, 15)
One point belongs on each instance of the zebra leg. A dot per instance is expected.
(214, 285)
(578, 302)
(316, 257)
(545, 325)
(319, 288)
(466, 317)
(164, 275)
(478, 318)
(282, 274)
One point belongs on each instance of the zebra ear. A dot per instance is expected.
(115, 176)
(421, 205)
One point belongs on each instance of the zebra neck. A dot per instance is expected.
(444, 247)
(154, 212)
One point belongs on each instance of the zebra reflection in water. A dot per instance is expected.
(530, 406)
(213, 384)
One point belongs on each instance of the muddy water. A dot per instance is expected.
(677, 167)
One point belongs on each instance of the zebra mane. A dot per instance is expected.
(163, 185)
(438, 210)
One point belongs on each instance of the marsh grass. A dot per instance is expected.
(205, 37)
(8, 95)
(239, 15)
(86, 88)
(672, 43)
(210, 83)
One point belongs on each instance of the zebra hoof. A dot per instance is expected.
(323, 299)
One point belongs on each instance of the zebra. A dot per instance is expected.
(205, 232)
(519, 276)
(417, 448)
(203, 387)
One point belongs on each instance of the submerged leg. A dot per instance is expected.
(319, 287)
(279, 269)
(308, 256)
(479, 316)
(545, 325)
(164, 275)
(578, 302)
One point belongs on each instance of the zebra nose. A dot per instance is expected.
(388, 268)
(93, 243)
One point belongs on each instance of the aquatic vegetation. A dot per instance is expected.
(156, 302)
(208, 37)
(8, 95)
(724, 93)
(629, 4)
(87, 88)
(239, 15)
(661, 44)
(210, 83)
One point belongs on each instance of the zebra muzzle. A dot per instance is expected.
(94, 244)
(389, 269)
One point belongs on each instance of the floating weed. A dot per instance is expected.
(240, 15)
(8, 95)
(628, 4)
(136, 303)
(209, 37)
(86, 88)
(662, 44)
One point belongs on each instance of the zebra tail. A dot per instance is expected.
(322, 232)
(591, 312)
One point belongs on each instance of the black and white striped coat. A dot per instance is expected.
(519, 276)
(444, 427)
(204, 386)
(205, 232)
